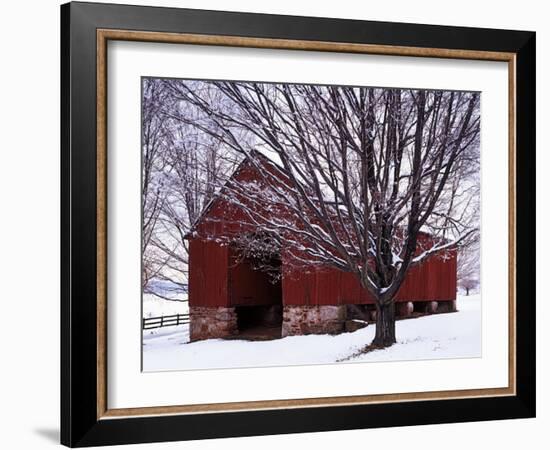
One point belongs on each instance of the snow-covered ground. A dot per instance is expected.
(455, 335)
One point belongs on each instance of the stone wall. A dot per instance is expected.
(212, 322)
(433, 307)
(318, 319)
(404, 309)
(446, 306)
(221, 322)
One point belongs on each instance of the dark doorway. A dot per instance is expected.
(256, 293)
(261, 322)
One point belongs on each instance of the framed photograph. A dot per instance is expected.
(277, 224)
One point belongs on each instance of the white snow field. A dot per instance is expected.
(453, 335)
(156, 307)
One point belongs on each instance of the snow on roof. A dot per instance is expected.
(265, 157)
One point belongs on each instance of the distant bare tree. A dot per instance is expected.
(468, 274)
(364, 173)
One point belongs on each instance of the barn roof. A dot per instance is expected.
(246, 162)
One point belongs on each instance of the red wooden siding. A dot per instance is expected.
(208, 274)
(215, 279)
(435, 279)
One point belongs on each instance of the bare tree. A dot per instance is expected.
(468, 267)
(156, 137)
(193, 171)
(360, 179)
(182, 171)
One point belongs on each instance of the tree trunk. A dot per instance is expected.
(385, 325)
(467, 292)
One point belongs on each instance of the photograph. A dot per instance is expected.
(300, 224)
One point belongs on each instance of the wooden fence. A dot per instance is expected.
(164, 321)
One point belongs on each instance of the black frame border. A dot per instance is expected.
(79, 423)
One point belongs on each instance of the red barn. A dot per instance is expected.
(229, 297)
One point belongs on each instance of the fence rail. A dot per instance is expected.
(150, 323)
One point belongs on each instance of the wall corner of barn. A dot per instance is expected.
(313, 319)
(212, 322)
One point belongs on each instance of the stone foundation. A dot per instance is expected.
(221, 322)
(404, 309)
(212, 322)
(360, 312)
(446, 306)
(353, 325)
(318, 319)
(433, 307)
